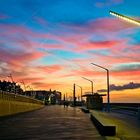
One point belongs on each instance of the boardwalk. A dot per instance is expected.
(49, 123)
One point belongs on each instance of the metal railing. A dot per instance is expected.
(16, 97)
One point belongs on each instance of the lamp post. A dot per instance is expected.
(11, 77)
(91, 84)
(125, 18)
(81, 90)
(74, 98)
(108, 98)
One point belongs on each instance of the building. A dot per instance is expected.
(94, 101)
(49, 97)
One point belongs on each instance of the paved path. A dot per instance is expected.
(49, 123)
(127, 127)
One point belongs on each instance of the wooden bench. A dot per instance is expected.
(104, 127)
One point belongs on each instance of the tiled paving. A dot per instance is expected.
(49, 123)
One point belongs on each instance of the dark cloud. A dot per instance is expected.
(128, 66)
(102, 90)
(130, 85)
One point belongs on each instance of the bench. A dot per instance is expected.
(104, 127)
(85, 110)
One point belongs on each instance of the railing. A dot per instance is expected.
(16, 97)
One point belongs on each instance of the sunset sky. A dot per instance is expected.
(49, 44)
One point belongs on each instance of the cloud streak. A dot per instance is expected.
(130, 85)
(108, 3)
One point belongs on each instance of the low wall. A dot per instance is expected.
(12, 104)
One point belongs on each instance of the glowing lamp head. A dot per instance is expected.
(128, 19)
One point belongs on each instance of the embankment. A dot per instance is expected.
(13, 104)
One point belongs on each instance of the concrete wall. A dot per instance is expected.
(13, 104)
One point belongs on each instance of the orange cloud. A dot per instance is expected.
(126, 73)
(51, 68)
(46, 86)
(84, 73)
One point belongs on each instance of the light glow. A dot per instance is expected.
(128, 19)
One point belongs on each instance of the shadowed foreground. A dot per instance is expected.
(49, 123)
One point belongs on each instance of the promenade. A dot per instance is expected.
(127, 127)
(49, 123)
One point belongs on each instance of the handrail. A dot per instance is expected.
(16, 97)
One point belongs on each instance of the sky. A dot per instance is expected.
(50, 44)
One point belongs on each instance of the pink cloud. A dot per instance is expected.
(30, 44)
(51, 68)
(11, 29)
(96, 45)
(126, 75)
(83, 73)
(110, 59)
(24, 38)
(107, 60)
(17, 58)
(26, 50)
(100, 26)
(104, 26)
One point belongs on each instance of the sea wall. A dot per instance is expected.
(13, 104)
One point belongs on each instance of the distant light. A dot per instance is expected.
(128, 19)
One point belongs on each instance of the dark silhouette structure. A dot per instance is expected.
(94, 101)
(10, 87)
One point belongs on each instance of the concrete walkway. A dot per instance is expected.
(127, 127)
(49, 123)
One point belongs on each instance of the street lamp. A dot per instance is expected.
(11, 77)
(126, 18)
(74, 98)
(81, 90)
(91, 84)
(108, 98)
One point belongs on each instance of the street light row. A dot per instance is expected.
(91, 84)
(108, 96)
